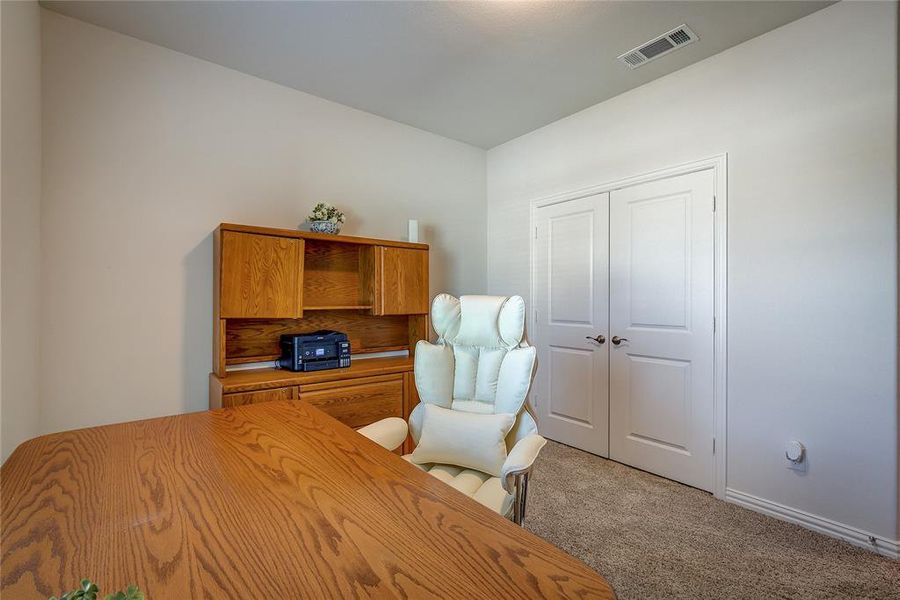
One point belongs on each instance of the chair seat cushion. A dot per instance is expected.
(482, 487)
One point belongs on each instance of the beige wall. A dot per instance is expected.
(811, 131)
(145, 151)
(20, 195)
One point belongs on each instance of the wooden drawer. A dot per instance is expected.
(360, 401)
(241, 398)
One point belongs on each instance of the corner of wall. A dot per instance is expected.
(20, 201)
(897, 252)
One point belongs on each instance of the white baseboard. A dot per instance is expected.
(857, 537)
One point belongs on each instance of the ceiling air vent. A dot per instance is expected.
(659, 46)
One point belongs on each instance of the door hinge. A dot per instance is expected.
(714, 324)
(714, 445)
(714, 204)
(535, 233)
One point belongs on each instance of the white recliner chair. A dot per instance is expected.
(480, 364)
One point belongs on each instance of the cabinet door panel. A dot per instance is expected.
(358, 402)
(261, 276)
(242, 398)
(402, 283)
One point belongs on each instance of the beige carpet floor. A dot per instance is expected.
(654, 538)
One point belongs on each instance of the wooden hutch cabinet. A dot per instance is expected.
(268, 282)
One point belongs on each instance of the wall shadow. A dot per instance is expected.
(196, 339)
(897, 255)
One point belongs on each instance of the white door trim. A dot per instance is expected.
(719, 164)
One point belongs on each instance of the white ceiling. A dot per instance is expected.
(479, 72)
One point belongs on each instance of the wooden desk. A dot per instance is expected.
(272, 500)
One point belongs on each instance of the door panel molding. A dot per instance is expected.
(719, 165)
(560, 244)
(563, 408)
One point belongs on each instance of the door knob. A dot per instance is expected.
(617, 340)
(599, 339)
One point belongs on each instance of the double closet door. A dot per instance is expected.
(624, 325)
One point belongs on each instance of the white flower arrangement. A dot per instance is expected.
(326, 212)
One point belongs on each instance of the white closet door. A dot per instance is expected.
(661, 303)
(571, 388)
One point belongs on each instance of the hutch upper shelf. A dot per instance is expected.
(280, 273)
(274, 281)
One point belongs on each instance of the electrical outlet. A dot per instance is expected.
(795, 456)
(800, 467)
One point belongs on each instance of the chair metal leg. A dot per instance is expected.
(524, 497)
(520, 499)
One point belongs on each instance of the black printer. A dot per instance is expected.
(324, 349)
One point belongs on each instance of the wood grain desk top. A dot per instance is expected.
(272, 500)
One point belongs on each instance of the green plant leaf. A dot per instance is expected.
(89, 591)
(133, 593)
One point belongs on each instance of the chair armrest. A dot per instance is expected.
(388, 433)
(520, 460)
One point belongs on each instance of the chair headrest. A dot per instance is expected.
(485, 321)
